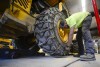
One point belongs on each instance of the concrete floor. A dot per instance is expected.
(68, 61)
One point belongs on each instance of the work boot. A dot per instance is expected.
(87, 57)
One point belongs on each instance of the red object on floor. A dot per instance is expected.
(96, 14)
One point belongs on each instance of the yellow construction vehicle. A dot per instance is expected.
(6, 43)
(34, 24)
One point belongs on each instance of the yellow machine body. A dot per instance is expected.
(20, 9)
(8, 43)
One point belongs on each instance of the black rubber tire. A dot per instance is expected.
(47, 34)
(26, 43)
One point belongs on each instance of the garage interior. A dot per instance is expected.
(31, 34)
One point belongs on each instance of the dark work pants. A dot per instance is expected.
(89, 45)
(80, 41)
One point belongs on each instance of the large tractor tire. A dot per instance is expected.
(27, 43)
(51, 38)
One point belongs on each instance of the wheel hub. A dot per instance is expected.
(63, 32)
